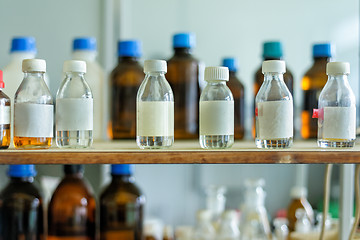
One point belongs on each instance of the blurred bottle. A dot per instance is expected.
(215, 202)
(168, 233)
(303, 224)
(21, 206)
(183, 77)
(71, 211)
(184, 233)
(204, 229)
(5, 116)
(312, 83)
(228, 229)
(281, 231)
(121, 206)
(125, 80)
(153, 229)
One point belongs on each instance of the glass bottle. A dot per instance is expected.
(215, 202)
(121, 206)
(216, 110)
(237, 89)
(21, 206)
(183, 77)
(33, 108)
(71, 211)
(274, 109)
(303, 224)
(5, 117)
(312, 83)
(125, 81)
(155, 108)
(204, 230)
(337, 109)
(74, 108)
(229, 229)
(281, 231)
(168, 233)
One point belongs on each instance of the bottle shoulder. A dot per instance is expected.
(77, 188)
(127, 74)
(121, 191)
(20, 191)
(4, 99)
(33, 91)
(216, 93)
(74, 87)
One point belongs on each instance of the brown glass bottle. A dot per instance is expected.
(121, 206)
(5, 137)
(183, 77)
(71, 212)
(125, 80)
(21, 206)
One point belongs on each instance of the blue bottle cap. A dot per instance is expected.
(184, 40)
(84, 43)
(23, 44)
(22, 171)
(323, 50)
(231, 63)
(131, 48)
(272, 50)
(122, 169)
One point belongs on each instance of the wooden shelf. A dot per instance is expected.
(183, 152)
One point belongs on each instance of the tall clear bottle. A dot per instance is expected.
(274, 109)
(33, 108)
(204, 230)
(74, 108)
(337, 109)
(216, 110)
(5, 118)
(155, 108)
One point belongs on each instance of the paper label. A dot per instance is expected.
(275, 119)
(4, 114)
(74, 114)
(33, 120)
(339, 122)
(216, 118)
(155, 118)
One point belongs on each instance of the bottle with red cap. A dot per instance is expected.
(4, 116)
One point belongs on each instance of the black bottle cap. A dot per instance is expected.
(75, 168)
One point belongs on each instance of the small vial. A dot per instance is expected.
(155, 108)
(337, 109)
(33, 108)
(274, 108)
(4, 116)
(74, 108)
(216, 110)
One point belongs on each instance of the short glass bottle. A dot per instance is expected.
(204, 230)
(33, 108)
(155, 108)
(274, 109)
(337, 109)
(216, 110)
(228, 229)
(5, 116)
(74, 108)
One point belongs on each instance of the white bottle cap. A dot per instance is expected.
(204, 215)
(337, 68)
(74, 66)
(216, 74)
(34, 65)
(155, 66)
(298, 192)
(276, 66)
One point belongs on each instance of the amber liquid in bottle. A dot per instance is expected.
(183, 77)
(296, 204)
(5, 137)
(32, 142)
(125, 81)
(237, 89)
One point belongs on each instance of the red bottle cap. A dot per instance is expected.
(315, 113)
(2, 84)
(256, 112)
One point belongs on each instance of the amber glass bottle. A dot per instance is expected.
(237, 89)
(183, 76)
(71, 212)
(21, 206)
(125, 80)
(121, 206)
(312, 83)
(4, 116)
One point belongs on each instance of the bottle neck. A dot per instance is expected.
(89, 56)
(34, 75)
(123, 178)
(338, 78)
(155, 74)
(273, 76)
(78, 175)
(182, 51)
(74, 75)
(273, 58)
(20, 56)
(232, 73)
(217, 83)
(22, 179)
(322, 60)
(128, 59)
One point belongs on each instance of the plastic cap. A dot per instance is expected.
(216, 74)
(323, 50)
(272, 50)
(84, 43)
(22, 171)
(71, 169)
(74, 66)
(155, 66)
(204, 215)
(26, 44)
(231, 63)
(277, 66)
(122, 169)
(34, 65)
(184, 40)
(2, 84)
(131, 48)
(298, 192)
(337, 68)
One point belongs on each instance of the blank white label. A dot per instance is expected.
(155, 118)
(339, 122)
(216, 118)
(275, 119)
(74, 114)
(4, 114)
(33, 120)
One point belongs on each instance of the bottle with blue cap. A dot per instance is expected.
(125, 81)
(5, 116)
(183, 76)
(121, 206)
(21, 203)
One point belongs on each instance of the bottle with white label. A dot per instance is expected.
(216, 110)
(4, 116)
(33, 108)
(337, 108)
(74, 108)
(154, 108)
(274, 108)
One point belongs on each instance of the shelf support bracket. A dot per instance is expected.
(346, 200)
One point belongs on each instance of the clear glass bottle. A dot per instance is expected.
(216, 110)
(33, 108)
(274, 109)
(281, 230)
(303, 224)
(155, 108)
(229, 229)
(215, 202)
(337, 109)
(5, 116)
(74, 108)
(204, 230)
